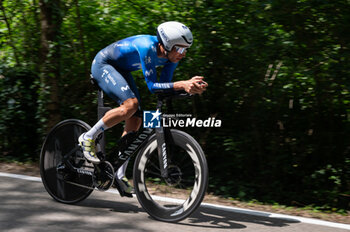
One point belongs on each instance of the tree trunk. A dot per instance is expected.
(81, 37)
(50, 22)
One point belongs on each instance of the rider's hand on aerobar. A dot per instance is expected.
(195, 85)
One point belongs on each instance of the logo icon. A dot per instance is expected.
(164, 35)
(151, 119)
(125, 88)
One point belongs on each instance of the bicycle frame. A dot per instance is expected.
(168, 158)
(138, 142)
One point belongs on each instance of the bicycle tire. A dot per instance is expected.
(156, 194)
(62, 139)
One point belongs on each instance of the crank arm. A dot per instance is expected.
(79, 185)
(68, 165)
(77, 147)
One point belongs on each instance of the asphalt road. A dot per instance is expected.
(26, 206)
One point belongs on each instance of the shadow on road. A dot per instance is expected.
(220, 219)
(27, 205)
(203, 217)
(113, 206)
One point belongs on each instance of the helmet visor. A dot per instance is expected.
(180, 50)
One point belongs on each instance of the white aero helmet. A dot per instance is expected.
(174, 33)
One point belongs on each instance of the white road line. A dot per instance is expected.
(278, 216)
(219, 207)
(23, 177)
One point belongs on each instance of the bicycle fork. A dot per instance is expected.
(162, 137)
(162, 152)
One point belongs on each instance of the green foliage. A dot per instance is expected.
(18, 123)
(278, 74)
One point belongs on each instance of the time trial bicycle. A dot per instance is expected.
(170, 173)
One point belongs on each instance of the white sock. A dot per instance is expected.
(97, 129)
(121, 171)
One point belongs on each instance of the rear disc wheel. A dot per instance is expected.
(57, 178)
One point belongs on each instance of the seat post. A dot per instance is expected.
(100, 112)
(100, 105)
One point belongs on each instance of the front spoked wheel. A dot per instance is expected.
(176, 197)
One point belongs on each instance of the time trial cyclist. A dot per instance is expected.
(111, 69)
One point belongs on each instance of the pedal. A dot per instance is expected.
(60, 167)
(60, 171)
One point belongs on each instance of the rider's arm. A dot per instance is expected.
(165, 78)
(148, 61)
(153, 84)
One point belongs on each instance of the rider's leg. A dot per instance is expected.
(119, 89)
(131, 125)
(122, 183)
(113, 117)
(121, 113)
(110, 119)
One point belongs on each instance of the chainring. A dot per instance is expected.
(103, 176)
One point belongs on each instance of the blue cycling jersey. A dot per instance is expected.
(135, 53)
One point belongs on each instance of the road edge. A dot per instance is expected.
(221, 207)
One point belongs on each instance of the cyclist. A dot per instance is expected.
(111, 69)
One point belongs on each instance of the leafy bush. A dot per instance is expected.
(18, 121)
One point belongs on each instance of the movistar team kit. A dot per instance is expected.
(112, 66)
